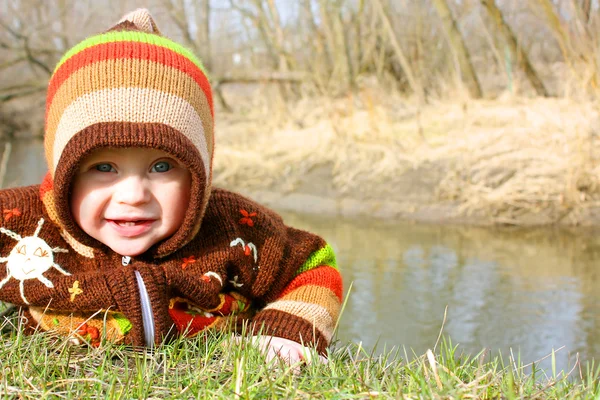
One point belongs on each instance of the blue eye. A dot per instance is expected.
(104, 168)
(161, 166)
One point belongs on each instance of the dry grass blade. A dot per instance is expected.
(554, 382)
(437, 341)
(433, 364)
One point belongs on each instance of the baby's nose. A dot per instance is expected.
(133, 190)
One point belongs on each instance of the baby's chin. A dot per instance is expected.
(130, 249)
(132, 246)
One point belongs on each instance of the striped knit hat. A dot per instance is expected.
(128, 87)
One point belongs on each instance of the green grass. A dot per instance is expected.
(45, 366)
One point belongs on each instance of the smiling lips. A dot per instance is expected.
(131, 228)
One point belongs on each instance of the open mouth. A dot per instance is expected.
(132, 228)
(132, 223)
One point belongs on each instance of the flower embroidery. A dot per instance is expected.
(90, 333)
(75, 290)
(187, 261)
(235, 282)
(249, 248)
(8, 214)
(247, 218)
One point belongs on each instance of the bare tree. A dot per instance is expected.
(578, 46)
(516, 51)
(406, 67)
(555, 25)
(586, 8)
(322, 46)
(193, 21)
(458, 46)
(204, 34)
(337, 43)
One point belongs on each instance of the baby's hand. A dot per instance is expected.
(292, 353)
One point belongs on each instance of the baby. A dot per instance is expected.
(125, 239)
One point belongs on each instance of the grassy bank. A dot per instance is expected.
(43, 366)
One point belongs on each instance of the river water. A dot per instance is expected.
(529, 291)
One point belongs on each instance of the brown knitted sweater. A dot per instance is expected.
(284, 275)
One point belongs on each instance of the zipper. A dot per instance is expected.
(147, 316)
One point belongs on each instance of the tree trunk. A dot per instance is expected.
(516, 51)
(586, 8)
(205, 24)
(406, 68)
(571, 50)
(342, 39)
(357, 43)
(328, 33)
(555, 26)
(458, 47)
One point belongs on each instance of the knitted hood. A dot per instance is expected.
(128, 87)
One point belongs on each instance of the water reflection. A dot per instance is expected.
(529, 290)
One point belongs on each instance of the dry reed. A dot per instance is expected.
(512, 160)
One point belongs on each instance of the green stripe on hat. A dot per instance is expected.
(131, 36)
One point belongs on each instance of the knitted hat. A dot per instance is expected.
(128, 87)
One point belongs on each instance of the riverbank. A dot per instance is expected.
(509, 161)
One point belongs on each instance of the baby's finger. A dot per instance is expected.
(308, 355)
(271, 355)
(242, 341)
(293, 358)
(231, 340)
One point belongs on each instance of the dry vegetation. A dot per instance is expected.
(483, 111)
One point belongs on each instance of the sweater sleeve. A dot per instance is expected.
(308, 307)
(68, 293)
(37, 267)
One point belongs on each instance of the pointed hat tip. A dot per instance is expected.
(142, 19)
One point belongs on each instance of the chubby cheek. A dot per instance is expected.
(174, 202)
(86, 206)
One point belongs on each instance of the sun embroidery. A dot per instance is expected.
(29, 259)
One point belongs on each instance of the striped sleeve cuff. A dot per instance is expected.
(308, 308)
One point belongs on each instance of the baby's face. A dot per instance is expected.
(130, 199)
